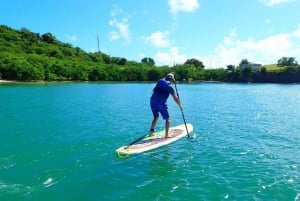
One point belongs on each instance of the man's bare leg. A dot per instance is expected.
(167, 126)
(153, 125)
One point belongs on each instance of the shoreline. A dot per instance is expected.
(7, 81)
(194, 81)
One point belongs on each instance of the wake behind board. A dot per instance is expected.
(157, 140)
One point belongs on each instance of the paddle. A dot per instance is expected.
(181, 110)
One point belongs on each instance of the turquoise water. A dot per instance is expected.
(57, 142)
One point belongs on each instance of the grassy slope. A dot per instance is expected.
(273, 67)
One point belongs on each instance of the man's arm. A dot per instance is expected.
(176, 99)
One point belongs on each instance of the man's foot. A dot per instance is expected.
(151, 132)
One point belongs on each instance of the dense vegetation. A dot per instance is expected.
(28, 56)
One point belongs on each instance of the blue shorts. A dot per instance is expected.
(159, 108)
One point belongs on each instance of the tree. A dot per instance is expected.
(244, 62)
(246, 71)
(181, 72)
(287, 61)
(263, 70)
(231, 68)
(106, 58)
(149, 61)
(121, 61)
(48, 38)
(30, 36)
(118, 60)
(154, 74)
(292, 61)
(195, 62)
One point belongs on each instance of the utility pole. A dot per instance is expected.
(98, 44)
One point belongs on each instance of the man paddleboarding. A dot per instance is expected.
(158, 101)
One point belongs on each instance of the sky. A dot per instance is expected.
(216, 32)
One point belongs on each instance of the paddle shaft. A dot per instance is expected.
(140, 138)
(181, 110)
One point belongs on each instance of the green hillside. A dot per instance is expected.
(29, 56)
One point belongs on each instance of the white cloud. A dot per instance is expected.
(159, 39)
(296, 33)
(170, 58)
(274, 46)
(232, 50)
(121, 27)
(183, 5)
(275, 2)
(228, 39)
(264, 51)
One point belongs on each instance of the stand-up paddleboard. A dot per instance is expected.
(157, 140)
